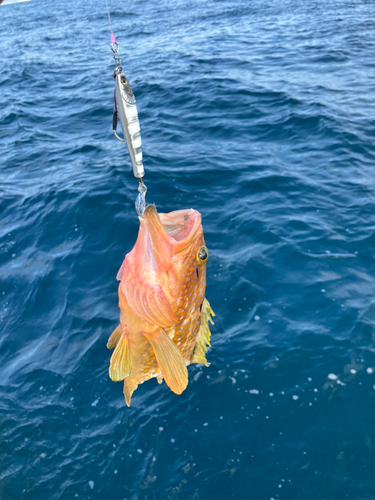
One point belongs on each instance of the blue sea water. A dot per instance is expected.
(259, 114)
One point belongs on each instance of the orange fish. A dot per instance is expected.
(163, 311)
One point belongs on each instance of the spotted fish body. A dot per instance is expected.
(163, 311)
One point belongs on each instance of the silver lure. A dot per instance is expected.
(126, 112)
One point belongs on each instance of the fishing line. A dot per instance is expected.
(113, 40)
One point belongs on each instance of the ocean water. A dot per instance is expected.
(259, 114)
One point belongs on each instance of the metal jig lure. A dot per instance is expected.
(126, 112)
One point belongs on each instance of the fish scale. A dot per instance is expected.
(185, 333)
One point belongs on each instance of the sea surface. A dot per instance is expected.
(260, 115)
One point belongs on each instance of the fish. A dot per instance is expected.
(164, 315)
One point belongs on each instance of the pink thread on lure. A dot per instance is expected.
(113, 40)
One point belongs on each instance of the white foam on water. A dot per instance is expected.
(91, 484)
(370, 370)
(295, 397)
(332, 376)
(257, 318)
(94, 403)
(353, 371)
(254, 391)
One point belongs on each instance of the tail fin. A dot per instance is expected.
(130, 386)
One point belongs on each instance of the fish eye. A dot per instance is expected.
(202, 255)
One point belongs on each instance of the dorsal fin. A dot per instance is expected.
(170, 360)
(204, 335)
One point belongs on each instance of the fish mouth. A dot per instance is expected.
(178, 228)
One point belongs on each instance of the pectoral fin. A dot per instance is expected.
(170, 360)
(121, 362)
